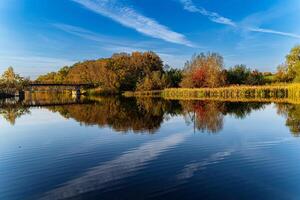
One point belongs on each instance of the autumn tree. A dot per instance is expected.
(119, 73)
(10, 81)
(204, 70)
(153, 81)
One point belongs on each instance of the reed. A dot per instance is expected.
(153, 93)
(266, 93)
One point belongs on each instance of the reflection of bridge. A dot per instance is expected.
(43, 103)
(76, 89)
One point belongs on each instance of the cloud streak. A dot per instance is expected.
(190, 169)
(130, 18)
(217, 18)
(262, 30)
(115, 170)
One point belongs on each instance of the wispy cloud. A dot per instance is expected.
(80, 32)
(115, 44)
(106, 41)
(131, 18)
(263, 30)
(217, 18)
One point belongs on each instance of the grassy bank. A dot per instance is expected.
(284, 92)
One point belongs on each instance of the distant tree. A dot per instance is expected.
(255, 78)
(173, 76)
(283, 74)
(267, 73)
(241, 75)
(204, 70)
(238, 74)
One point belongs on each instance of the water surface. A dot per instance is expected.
(115, 148)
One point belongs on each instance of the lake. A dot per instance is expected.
(118, 148)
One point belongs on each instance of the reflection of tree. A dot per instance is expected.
(208, 115)
(242, 109)
(120, 114)
(11, 113)
(41, 97)
(292, 114)
(139, 114)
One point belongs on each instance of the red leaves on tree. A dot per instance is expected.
(199, 76)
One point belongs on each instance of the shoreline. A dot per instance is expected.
(269, 93)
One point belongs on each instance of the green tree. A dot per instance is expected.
(238, 74)
(173, 76)
(293, 63)
(290, 70)
(241, 75)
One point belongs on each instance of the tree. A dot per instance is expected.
(121, 72)
(204, 70)
(293, 63)
(238, 74)
(255, 78)
(11, 82)
(241, 75)
(290, 70)
(173, 76)
(154, 81)
(282, 74)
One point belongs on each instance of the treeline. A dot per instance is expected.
(144, 71)
(121, 72)
(207, 70)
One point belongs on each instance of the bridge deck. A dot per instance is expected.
(59, 85)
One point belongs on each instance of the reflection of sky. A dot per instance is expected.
(36, 117)
(115, 170)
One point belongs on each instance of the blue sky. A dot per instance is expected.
(37, 36)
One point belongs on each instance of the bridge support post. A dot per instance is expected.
(76, 92)
(20, 94)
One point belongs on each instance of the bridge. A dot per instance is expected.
(75, 88)
(61, 85)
